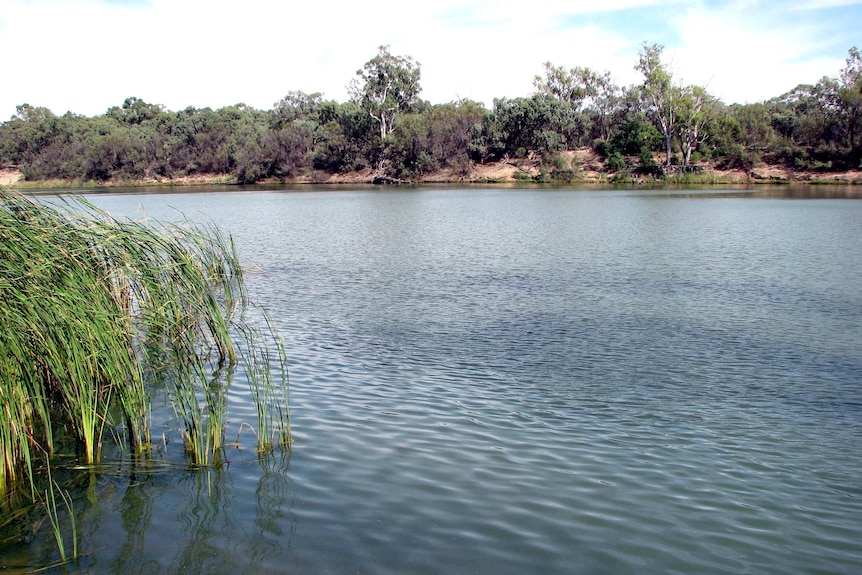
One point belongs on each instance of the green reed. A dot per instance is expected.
(270, 397)
(52, 510)
(93, 310)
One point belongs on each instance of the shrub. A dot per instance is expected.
(647, 162)
(616, 162)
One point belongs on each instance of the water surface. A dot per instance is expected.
(524, 381)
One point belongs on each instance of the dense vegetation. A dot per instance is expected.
(96, 316)
(388, 129)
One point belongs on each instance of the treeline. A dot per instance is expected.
(387, 128)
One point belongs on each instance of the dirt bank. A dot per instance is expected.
(586, 166)
(9, 176)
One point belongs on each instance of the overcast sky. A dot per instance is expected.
(85, 56)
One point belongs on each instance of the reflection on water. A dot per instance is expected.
(136, 510)
(524, 381)
(170, 520)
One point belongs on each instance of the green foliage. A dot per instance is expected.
(637, 136)
(134, 111)
(811, 127)
(647, 162)
(296, 105)
(538, 123)
(91, 310)
(389, 86)
(616, 162)
(659, 92)
(695, 109)
(623, 176)
(346, 138)
(588, 96)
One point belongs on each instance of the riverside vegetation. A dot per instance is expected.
(95, 313)
(656, 128)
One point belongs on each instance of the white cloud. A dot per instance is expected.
(820, 4)
(740, 59)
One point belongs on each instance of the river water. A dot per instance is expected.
(497, 381)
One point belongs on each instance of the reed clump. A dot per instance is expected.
(94, 310)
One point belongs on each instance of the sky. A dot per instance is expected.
(85, 56)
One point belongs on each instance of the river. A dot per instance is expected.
(496, 380)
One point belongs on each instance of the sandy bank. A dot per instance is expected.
(586, 166)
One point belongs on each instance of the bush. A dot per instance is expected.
(622, 177)
(736, 157)
(616, 162)
(600, 147)
(647, 162)
(564, 175)
(636, 136)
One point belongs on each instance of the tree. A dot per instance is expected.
(636, 137)
(806, 122)
(134, 111)
(591, 97)
(454, 127)
(521, 125)
(755, 126)
(850, 97)
(572, 86)
(606, 101)
(659, 92)
(347, 138)
(389, 86)
(696, 109)
(296, 105)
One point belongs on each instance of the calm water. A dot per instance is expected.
(523, 381)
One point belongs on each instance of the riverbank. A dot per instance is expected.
(584, 166)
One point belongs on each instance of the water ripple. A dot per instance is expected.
(501, 381)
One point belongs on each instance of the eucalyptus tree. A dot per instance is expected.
(755, 126)
(660, 93)
(849, 91)
(294, 133)
(590, 96)
(455, 127)
(346, 138)
(28, 132)
(607, 101)
(740, 134)
(386, 87)
(135, 111)
(296, 105)
(435, 137)
(804, 125)
(569, 85)
(696, 107)
(539, 123)
(246, 127)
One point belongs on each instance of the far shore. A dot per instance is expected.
(589, 170)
